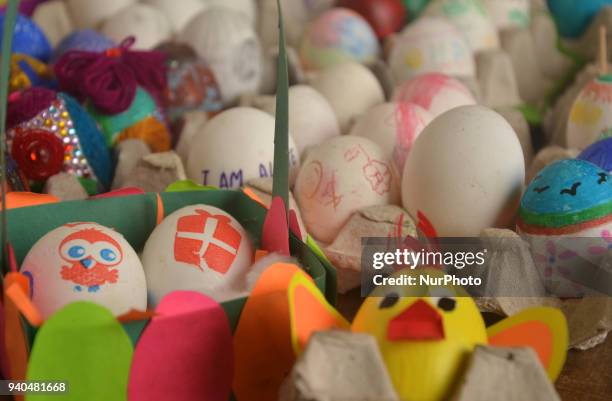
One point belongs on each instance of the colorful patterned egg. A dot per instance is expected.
(28, 38)
(566, 216)
(431, 44)
(385, 16)
(599, 153)
(590, 116)
(337, 36)
(85, 262)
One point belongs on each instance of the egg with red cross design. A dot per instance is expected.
(85, 262)
(198, 248)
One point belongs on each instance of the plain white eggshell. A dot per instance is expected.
(248, 7)
(225, 39)
(471, 19)
(57, 273)
(351, 89)
(431, 44)
(509, 13)
(394, 127)
(234, 147)
(465, 172)
(90, 14)
(146, 23)
(178, 15)
(339, 177)
(311, 118)
(197, 248)
(434, 92)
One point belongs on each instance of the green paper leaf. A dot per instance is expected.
(86, 346)
(280, 186)
(186, 186)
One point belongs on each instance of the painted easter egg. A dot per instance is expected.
(85, 262)
(471, 19)
(589, 116)
(148, 25)
(574, 16)
(599, 153)
(339, 177)
(197, 248)
(566, 216)
(178, 17)
(234, 147)
(191, 83)
(434, 92)
(84, 40)
(225, 39)
(384, 16)
(465, 172)
(350, 89)
(337, 36)
(509, 13)
(431, 44)
(28, 38)
(305, 130)
(90, 14)
(394, 127)
(50, 132)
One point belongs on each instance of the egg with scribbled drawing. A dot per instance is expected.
(339, 177)
(85, 262)
(566, 216)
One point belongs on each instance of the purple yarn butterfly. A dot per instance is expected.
(109, 79)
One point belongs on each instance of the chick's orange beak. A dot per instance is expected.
(419, 322)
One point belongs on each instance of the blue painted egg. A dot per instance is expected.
(85, 40)
(599, 153)
(574, 16)
(29, 38)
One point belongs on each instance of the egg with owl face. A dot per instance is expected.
(566, 216)
(85, 262)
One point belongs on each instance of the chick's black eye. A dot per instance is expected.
(447, 304)
(389, 300)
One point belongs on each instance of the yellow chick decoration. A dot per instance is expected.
(427, 334)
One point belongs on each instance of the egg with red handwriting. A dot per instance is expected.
(431, 44)
(337, 36)
(198, 248)
(234, 147)
(85, 262)
(509, 13)
(148, 25)
(434, 92)
(471, 19)
(351, 89)
(90, 14)
(225, 39)
(465, 172)
(178, 17)
(385, 16)
(339, 177)
(394, 127)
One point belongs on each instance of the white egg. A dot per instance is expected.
(351, 89)
(248, 7)
(146, 23)
(509, 13)
(590, 115)
(431, 44)
(339, 177)
(197, 248)
(90, 14)
(235, 147)
(471, 19)
(465, 172)
(434, 92)
(178, 16)
(311, 118)
(394, 127)
(85, 262)
(225, 39)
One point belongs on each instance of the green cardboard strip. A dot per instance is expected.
(84, 345)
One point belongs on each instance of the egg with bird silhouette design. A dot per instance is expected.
(85, 262)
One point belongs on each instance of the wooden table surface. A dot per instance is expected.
(586, 376)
